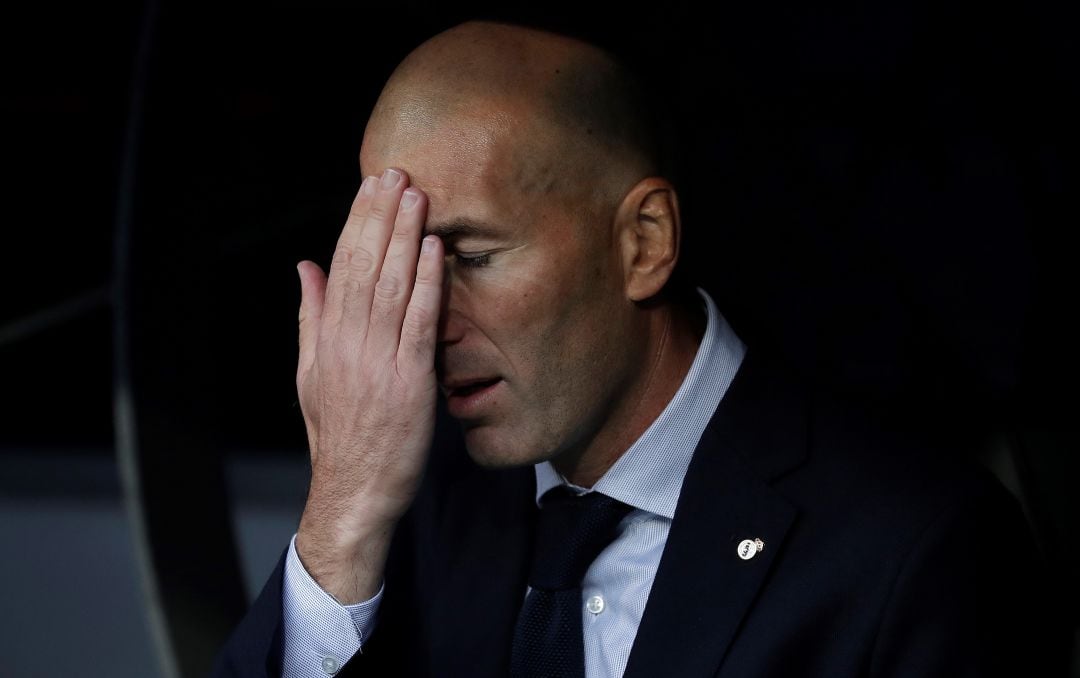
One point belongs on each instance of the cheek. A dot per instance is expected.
(560, 338)
(517, 314)
(547, 312)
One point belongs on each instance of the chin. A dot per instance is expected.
(492, 448)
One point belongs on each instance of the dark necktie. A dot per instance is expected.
(571, 531)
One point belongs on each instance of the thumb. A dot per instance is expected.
(312, 294)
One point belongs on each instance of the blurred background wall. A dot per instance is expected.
(882, 194)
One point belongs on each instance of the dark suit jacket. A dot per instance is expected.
(880, 559)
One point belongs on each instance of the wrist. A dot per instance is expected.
(346, 563)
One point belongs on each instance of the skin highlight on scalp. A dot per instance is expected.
(576, 110)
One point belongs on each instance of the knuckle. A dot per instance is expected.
(379, 210)
(362, 264)
(427, 276)
(342, 254)
(388, 288)
(418, 320)
(358, 212)
(429, 273)
(402, 236)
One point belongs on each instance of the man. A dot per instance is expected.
(513, 245)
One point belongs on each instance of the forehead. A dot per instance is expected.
(484, 162)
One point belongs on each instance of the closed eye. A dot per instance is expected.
(471, 260)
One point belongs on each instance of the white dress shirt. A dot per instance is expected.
(319, 634)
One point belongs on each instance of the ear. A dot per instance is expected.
(648, 232)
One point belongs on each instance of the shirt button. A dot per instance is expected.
(595, 605)
(330, 665)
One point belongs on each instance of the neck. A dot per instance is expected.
(674, 340)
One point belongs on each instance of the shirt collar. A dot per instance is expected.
(649, 475)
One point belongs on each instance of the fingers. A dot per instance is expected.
(395, 284)
(416, 352)
(312, 293)
(367, 248)
(382, 290)
(341, 265)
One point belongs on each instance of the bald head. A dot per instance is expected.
(573, 113)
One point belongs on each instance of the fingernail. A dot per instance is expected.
(368, 186)
(428, 244)
(390, 178)
(409, 199)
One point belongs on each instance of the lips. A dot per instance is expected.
(472, 399)
(466, 387)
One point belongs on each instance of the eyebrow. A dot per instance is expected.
(463, 227)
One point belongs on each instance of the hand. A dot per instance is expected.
(367, 386)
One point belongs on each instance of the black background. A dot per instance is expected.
(884, 194)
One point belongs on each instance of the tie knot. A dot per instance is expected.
(571, 531)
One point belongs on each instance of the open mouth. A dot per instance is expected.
(470, 388)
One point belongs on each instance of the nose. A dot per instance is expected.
(451, 321)
(450, 331)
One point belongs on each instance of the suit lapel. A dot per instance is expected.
(486, 543)
(703, 589)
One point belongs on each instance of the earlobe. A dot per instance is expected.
(648, 235)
